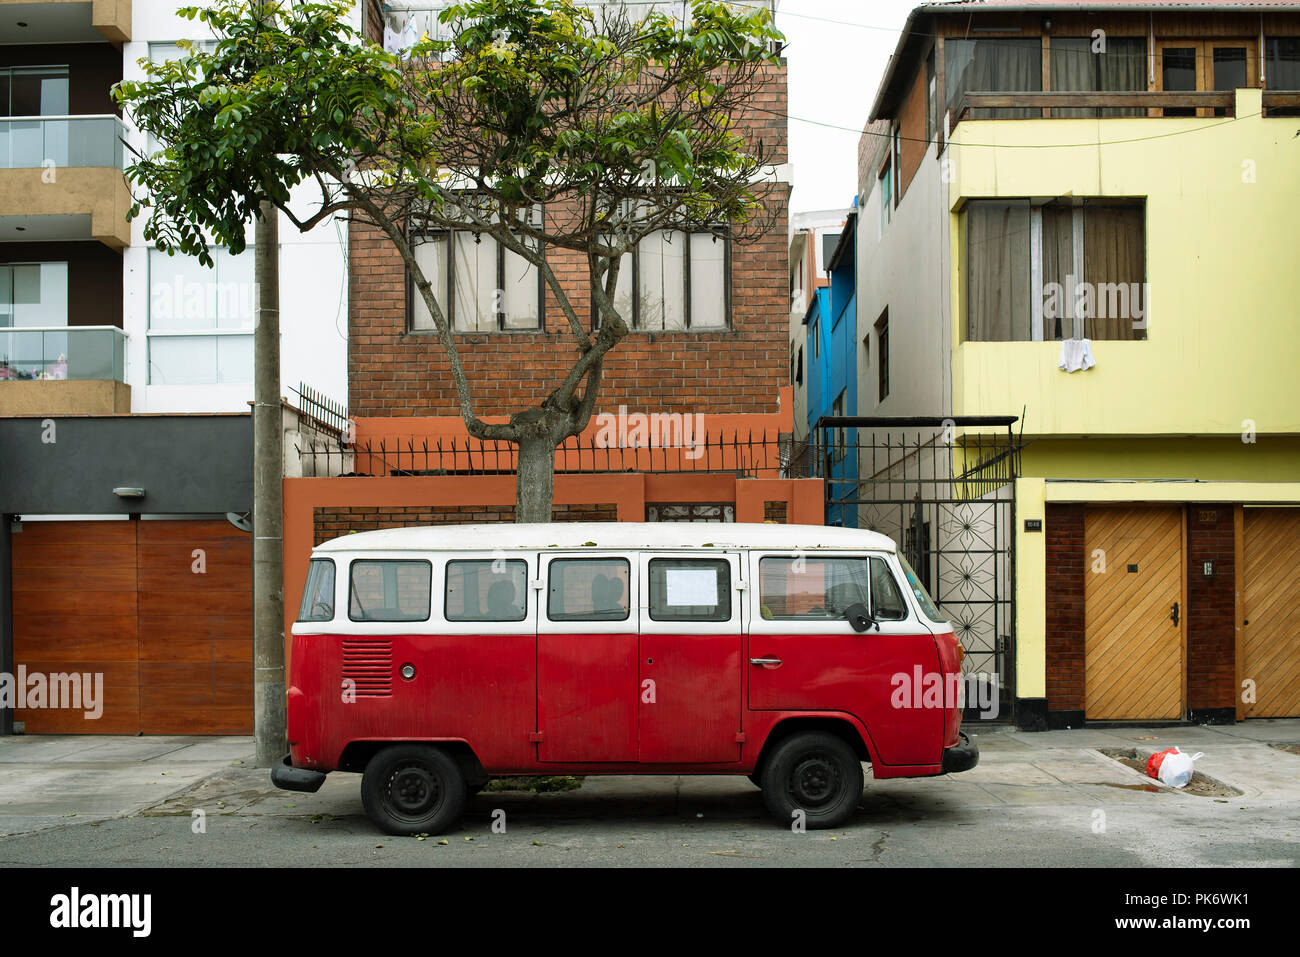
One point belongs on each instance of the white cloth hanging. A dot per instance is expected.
(400, 41)
(1076, 355)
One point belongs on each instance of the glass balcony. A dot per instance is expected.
(30, 142)
(62, 352)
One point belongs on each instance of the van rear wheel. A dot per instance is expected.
(815, 773)
(413, 789)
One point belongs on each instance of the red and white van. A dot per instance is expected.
(432, 659)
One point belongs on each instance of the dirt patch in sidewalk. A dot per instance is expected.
(1201, 785)
(1291, 748)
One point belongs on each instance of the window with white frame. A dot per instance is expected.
(201, 319)
(681, 282)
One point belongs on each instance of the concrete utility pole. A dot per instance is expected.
(269, 731)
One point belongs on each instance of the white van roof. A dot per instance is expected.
(608, 535)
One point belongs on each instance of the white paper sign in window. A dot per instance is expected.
(691, 587)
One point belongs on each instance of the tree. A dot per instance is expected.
(617, 127)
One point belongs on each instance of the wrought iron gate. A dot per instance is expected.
(944, 490)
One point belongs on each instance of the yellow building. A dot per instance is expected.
(1115, 248)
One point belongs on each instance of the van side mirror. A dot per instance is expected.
(858, 617)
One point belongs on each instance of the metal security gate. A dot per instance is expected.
(944, 490)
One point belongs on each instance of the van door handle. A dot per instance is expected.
(764, 661)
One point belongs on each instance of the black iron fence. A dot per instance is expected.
(320, 412)
(746, 454)
(944, 490)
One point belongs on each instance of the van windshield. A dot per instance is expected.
(923, 599)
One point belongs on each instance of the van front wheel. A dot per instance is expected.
(812, 779)
(413, 789)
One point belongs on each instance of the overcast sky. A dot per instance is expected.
(834, 71)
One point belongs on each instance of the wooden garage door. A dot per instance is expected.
(1133, 658)
(162, 609)
(1270, 596)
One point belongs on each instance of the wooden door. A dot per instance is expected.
(1270, 634)
(196, 627)
(1133, 646)
(161, 610)
(75, 612)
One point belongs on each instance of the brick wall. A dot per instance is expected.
(1211, 612)
(1065, 624)
(738, 370)
(332, 522)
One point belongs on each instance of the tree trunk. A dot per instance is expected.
(536, 487)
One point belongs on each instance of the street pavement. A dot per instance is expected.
(1046, 798)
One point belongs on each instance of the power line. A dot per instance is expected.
(1040, 146)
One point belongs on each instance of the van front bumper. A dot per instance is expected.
(962, 756)
(288, 778)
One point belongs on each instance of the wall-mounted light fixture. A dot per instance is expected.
(128, 491)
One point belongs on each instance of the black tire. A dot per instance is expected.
(413, 789)
(814, 772)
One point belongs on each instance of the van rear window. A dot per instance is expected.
(390, 591)
(810, 589)
(486, 591)
(588, 589)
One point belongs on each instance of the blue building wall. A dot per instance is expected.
(832, 370)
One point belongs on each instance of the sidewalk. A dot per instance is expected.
(51, 781)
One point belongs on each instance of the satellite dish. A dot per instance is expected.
(242, 522)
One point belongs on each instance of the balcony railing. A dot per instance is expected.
(62, 352)
(976, 106)
(30, 142)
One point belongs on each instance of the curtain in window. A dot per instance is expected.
(663, 281)
(520, 301)
(1074, 70)
(431, 255)
(1114, 267)
(1077, 69)
(994, 65)
(1123, 67)
(1282, 69)
(997, 262)
(475, 276)
(1058, 268)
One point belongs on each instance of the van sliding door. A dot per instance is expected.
(690, 670)
(587, 651)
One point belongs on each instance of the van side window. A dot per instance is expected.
(690, 589)
(588, 589)
(486, 590)
(886, 600)
(810, 589)
(390, 590)
(318, 595)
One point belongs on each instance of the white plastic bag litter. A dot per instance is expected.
(1176, 769)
